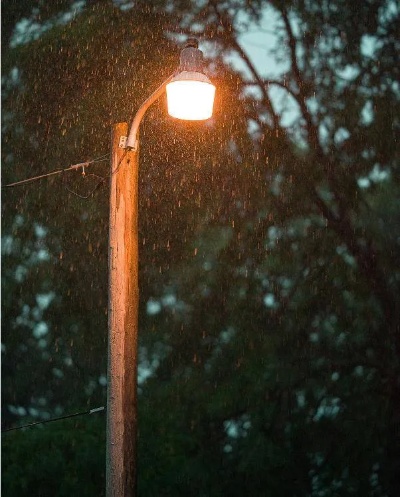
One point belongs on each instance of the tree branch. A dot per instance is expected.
(312, 130)
(281, 84)
(229, 31)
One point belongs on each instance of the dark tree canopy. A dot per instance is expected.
(270, 240)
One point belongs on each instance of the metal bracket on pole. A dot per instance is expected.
(122, 141)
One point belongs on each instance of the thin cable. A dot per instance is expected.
(58, 171)
(101, 158)
(82, 413)
(92, 191)
(120, 162)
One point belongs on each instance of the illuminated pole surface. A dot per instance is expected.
(121, 468)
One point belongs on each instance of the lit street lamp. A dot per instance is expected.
(190, 96)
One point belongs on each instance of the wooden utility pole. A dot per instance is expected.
(123, 284)
(121, 466)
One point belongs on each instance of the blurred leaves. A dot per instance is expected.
(269, 321)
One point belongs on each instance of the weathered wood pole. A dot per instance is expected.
(121, 468)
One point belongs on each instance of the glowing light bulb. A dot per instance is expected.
(190, 96)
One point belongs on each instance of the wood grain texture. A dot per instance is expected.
(122, 320)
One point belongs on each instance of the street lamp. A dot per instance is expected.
(190, 96)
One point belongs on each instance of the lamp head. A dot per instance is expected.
(190, 94)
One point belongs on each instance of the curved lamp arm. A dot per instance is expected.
(132, 141)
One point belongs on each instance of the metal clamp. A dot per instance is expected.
(122, 141)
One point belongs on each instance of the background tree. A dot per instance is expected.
(270, 316)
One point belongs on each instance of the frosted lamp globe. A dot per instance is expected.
(190, 96)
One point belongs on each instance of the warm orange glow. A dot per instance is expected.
(190, 99)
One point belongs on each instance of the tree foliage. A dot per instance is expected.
(269, 318)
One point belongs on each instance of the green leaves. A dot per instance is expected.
(268, 321)
(56, 459)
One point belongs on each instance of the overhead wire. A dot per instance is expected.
(44, 421)
(73, 167)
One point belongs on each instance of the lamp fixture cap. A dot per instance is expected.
(192, 43)
(191, 58)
